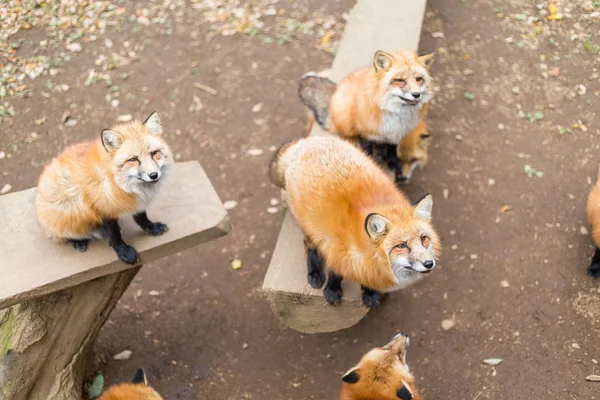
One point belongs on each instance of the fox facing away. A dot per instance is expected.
(83, 191)
(593, 215)
(379, 105)
(355, 220)
(381, 374)
(138, 389)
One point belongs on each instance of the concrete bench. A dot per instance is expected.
(54, 300)
(373, 25)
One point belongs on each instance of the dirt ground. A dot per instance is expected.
(518, 97)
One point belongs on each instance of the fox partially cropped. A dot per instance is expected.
(138, 389)
(593, 215)
(356, 221)
(377, 105)
(381, 374)
(83, 191)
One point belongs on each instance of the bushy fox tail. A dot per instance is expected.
(315, 91)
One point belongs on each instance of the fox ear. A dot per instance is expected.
(377, 226)
(404, 393)
(427, 59)
(351, 376)
(423, 208)
(111, 140)
(382, 60)
(140, 377)
(153, 124)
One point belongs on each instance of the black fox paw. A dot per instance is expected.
(316, 279)
(127, 254)
(594, 270)
(333, 296)
(157, 228)
(80, 245)
(372, 299)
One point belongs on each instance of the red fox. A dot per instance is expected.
(381, 374)
(355, 220)
(378, 105)
(138, 389)
(593, 215)
(83, 191)
(413, 151)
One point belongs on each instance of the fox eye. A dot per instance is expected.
(155, 152)
(400, 81)
(402, 246)
(420, 79)
(425, 240)
(133, 159)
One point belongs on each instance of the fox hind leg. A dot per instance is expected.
(153, 228)
(333, 289)
(594, 268)
(371, 298)
(315, 264)
(79, 245)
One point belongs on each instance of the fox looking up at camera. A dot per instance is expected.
(83, 191)
(357, 223)
(379, 104)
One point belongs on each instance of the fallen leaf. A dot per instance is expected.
(154, 293)
(593, 378)
(70, 123)
(492, 361)
(469, 96)
(254, 152)
(65, 116)
(95, 389)
(530, 171)
(124, 355)
(447, 324)
(236, 264)
(124, 118)
(230, 204)
(505, 208)
(40, 121)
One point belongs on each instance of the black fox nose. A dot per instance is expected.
(153, 175)
(428, 264)
(416, 95)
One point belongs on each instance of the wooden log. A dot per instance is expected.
(54, 300)
(372, 26)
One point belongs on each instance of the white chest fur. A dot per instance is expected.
(397, 123)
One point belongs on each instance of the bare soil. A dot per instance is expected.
(514, 281)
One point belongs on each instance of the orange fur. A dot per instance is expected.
(86, 183)
(130, 391)
(412, 150)
(332, 187)
(359, 104)
(380, 374)
(593, 211)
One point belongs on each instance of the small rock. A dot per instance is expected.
(474, 256)
(468, 72)
(516, 90)
(115, 103)
(501, 127)
(124, 355)
(504, 283)
(491, 182)
(230, 204)
(70, 123)
(437, 35)
(124, 118)
(2, 155)
(575, 346)
(581, 89)
(593, 378)
(108, 43)
(583, 230)
(447, 324)
(74, 47)
(492, 361)
(154, 293)
(555, 72)
(245, 346)
(272, 210)
(257, 107)
(255, 152)
(274, 202)
(5, 189)
(445, 193)
(594, 361)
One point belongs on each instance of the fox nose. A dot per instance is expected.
(416, 95)
(153, 175)
(428, 264)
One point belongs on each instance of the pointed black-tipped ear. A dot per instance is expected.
(111, 140)
(140, 377)
(404, 394)
(153, 124)
(422, 208)
(377, 226)
(382, 60)
(351, 376)
(427, 59)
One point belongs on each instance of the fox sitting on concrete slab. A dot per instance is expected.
(137, 389)
(377, 105)
(381, 374)
(355, 220)
(83, 191)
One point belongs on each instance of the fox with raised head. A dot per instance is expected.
(137, 389)
(356, 221)
(83, 191)
(377, 105)
(381, 374)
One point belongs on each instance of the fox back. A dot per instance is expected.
(137, 389)
(382, 103)
(381, 374)
(365, 228)
(117, 174)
